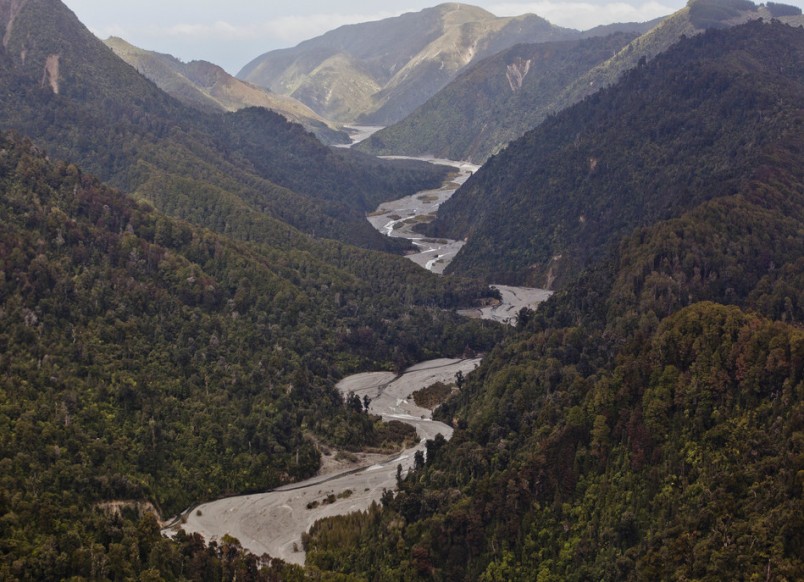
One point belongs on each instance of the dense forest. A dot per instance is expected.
(691, 125)
(645, 423)
(143, 358)
(95, 110)
(179, 294)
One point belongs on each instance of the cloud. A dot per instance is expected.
(584, 15)
(298, 28)
(286, 29)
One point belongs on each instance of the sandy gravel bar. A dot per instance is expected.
(513, 299)
(273, 522)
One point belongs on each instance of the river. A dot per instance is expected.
(274, 522)
(397, 218)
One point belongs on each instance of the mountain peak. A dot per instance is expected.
(464, 12)
(378, 72)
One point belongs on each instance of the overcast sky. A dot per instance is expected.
(230, 33)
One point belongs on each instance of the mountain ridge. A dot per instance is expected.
(493, 101)
(446, 125)
(208, 87)
(377, 72)
(61, 78)
(592, 182)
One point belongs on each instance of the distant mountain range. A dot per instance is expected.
(494, 101)
(376, 73)
(208, 87)
(500, 98)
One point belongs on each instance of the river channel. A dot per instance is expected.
(398, 218)
(273, 522)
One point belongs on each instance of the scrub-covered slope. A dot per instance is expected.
(208, 87)
(494, 101)
(378, 72)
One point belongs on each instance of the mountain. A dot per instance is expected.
(75, 97)
(691, 125)
(147, 364)
(636, 28)
(696, 17)
(499, 99)
(208, 87)
(494, 101)
(645, 423)
(376, 73)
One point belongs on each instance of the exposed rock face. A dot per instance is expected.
(516, 73)
(9, 10)
(50, 78)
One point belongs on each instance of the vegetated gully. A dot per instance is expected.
(274, 522)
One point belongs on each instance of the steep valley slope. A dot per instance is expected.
(646, 422)
(500, 98)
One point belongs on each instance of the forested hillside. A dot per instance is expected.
(146, 360)
(69, 92)
(175, 336)
(494, 101)
(691, 125)
(502, 97)
(645, 423)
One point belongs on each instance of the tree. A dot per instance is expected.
(353, 402)
(418, 460)
(523, 317)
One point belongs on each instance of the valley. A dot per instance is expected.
(337, 363)
(398, 218)
(274, 522)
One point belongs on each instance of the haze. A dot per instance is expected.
(232, 33)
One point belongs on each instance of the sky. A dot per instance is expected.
(230, 33)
